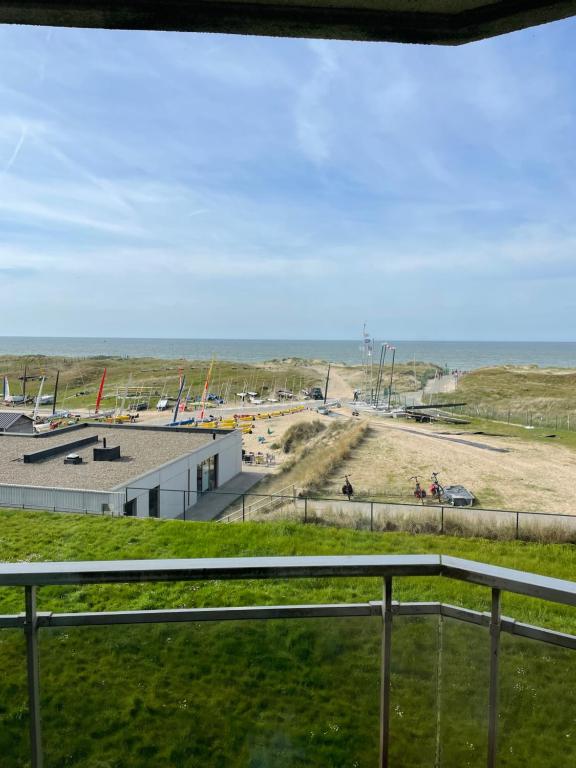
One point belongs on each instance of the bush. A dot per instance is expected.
(301, 433)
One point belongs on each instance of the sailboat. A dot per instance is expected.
(12, 399)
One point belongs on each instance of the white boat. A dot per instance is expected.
(12, 399)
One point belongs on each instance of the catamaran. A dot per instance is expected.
(11, 399)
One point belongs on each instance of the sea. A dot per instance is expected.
(458, 355)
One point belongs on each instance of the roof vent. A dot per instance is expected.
(107, 454)
(73, 458)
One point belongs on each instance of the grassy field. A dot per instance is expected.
(80, 378)
(526, 394)
(289, 694)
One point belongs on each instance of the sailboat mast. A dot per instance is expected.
(391, 376)
(55, 393)
(177, 406)
(38, 396)
(206, 385)
(100, 391)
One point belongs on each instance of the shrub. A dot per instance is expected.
(301, 433)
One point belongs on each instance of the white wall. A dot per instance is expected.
(180, 476)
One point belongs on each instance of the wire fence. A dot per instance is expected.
(288, 504)
(525, 418)
(410, 518)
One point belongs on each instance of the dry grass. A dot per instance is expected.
(301, 433)
(531, 476)
(319, 458)
(471, 523)
(408, 377)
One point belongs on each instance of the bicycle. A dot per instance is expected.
(436, 489)
(419, 492)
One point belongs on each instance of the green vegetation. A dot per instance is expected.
(80, 377)
(301, 433)
(317, 458)
(525, 395)
(293, 694)
(479, 426)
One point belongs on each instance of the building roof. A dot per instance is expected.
(9, 418)
(444, 22)
(142, 450)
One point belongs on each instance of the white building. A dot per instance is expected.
(118, 470)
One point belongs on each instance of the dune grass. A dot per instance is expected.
(288, 694)
(80, 377)
(317, 457)
(525, 395)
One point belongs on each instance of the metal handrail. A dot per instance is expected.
(34, 575)
(206, 569)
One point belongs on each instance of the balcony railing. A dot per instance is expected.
(430, 657)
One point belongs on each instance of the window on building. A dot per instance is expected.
(207, 475)
(154, 502)
(130, 508)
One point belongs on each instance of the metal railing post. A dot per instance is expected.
(31, 632)
(184, 505)
(371, 515)
(385, 674)
(517, 525)
(439, 683)
(494, 669)
(305, 509)
(243, 507)
(441, 519)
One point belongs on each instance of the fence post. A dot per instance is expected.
(305, 509)
(371, 515)
(184, 504)
(31, 632)
(442, 519)
(517, 525)
(243, 507)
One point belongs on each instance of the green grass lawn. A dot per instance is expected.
(282, 693)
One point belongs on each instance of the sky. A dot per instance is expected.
(198, 186)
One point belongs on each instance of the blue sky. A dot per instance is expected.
(160, 184)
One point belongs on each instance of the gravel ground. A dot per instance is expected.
(141, 451)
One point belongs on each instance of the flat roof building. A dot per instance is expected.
(16, 422)
(131, 470)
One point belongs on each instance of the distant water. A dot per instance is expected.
(463, 355)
